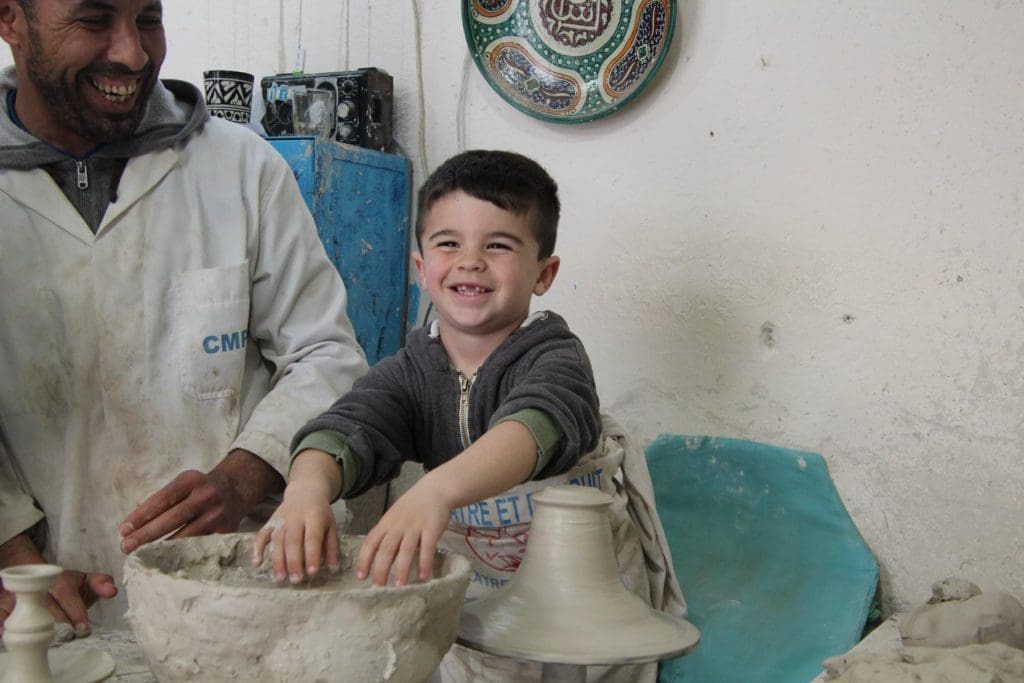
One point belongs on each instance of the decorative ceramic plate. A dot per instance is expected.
(568, 61)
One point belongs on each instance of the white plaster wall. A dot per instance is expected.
(805, 232)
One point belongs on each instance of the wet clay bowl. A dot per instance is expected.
(200, 613)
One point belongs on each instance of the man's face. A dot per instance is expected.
(88, 69)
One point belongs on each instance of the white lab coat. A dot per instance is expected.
(202, 316)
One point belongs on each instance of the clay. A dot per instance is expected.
(959, 613)
(200, 612)
(978, 663)
(567, 604)
(29, 631)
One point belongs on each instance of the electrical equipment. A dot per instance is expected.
(365, 105)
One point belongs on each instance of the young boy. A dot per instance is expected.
(489, 398)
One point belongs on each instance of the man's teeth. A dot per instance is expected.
(116, 93)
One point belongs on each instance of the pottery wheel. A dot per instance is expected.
(84, 666)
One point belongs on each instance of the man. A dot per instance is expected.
(167, 307)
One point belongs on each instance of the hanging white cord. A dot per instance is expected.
(282, 57)
(348, 35)
(299, 65)
(421, 140)
(460, 112)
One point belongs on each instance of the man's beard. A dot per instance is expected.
(71, 110)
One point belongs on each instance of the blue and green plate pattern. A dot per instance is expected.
(568, 61)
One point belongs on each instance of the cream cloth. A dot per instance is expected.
(493, 535)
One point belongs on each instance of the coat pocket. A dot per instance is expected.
(212, 329)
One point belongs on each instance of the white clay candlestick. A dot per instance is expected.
(29, 629)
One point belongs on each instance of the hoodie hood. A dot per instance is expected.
(175, 110)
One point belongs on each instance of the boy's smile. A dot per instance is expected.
(479, 266)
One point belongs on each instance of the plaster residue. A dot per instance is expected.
(959, 613)
(979, 663)
(961, 634)
(200, 612)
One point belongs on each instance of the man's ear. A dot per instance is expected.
(12, 23)
(548, 271)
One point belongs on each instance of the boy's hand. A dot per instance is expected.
(408, 532)
(302, 533)
(405, 536)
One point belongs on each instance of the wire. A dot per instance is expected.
(421, 137)
(348, 32)
(460, 114)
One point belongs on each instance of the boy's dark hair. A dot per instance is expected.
(508, 180)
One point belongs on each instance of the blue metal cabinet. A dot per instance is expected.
(360, 201)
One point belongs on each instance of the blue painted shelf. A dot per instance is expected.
(360, 199)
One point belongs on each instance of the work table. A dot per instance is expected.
(121, 645)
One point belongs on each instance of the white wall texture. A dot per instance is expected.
(806, 231)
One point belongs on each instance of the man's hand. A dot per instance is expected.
(72, 594)
(194, 504)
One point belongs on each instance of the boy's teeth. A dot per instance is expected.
(470, 290)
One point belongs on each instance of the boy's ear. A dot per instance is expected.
(417, 259)
(548, 271)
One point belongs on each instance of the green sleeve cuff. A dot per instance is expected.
(545, 432)
(334, 443)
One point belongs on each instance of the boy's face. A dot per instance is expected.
(479, 265)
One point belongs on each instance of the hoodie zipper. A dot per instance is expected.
(464, 387)
(82, 175)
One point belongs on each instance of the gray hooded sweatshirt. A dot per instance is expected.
(416, 406)
(175, 110)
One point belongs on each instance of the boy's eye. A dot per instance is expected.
(499, 246)
(446, 244)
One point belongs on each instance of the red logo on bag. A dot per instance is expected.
(500, 548)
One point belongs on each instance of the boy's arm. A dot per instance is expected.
(559, 383)
(375, 421)
(500, 459)
(408, 532)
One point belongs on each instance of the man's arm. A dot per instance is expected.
(18, 511)
(74, 592)
(298, 321)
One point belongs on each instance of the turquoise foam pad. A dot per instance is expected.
(776, 576)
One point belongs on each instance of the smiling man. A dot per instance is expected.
(135, 230)
(77, 89)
